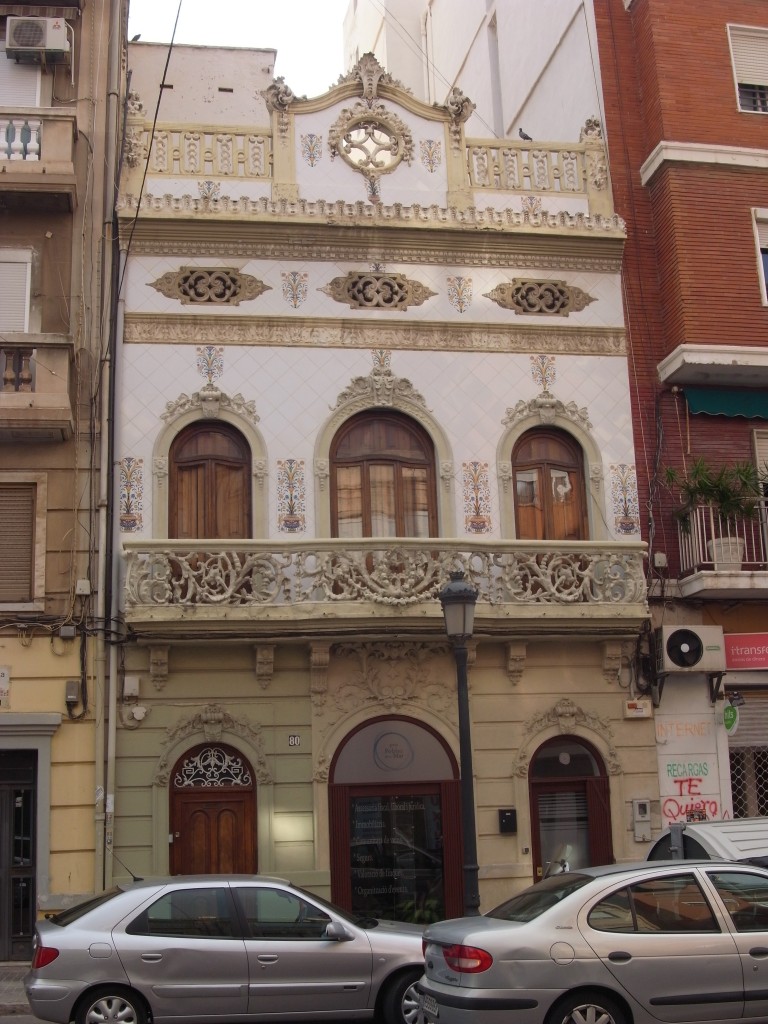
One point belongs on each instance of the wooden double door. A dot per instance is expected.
(213, 813)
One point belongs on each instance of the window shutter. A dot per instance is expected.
(749, 47)
(14, 295)
(760, 444)
(17, 542)
(19, 83)
(762, 233)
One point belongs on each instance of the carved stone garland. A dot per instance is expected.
(566, 716)
(212, 722)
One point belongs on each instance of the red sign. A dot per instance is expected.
(746, 650)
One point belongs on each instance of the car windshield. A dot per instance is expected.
(65, 917)
(538, 898)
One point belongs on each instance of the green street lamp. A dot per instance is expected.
(458, 600)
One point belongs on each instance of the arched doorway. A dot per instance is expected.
(395, 823)
(212, 812)
(550, 496)
(570, 807)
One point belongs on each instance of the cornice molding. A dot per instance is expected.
(335, 244)
(700, 153)
(280, 332)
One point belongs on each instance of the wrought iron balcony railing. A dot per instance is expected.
(400, 577)
(711, 542)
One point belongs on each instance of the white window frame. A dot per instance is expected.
(23, 258)
(760, 230)
(40, 480)
(754, 68)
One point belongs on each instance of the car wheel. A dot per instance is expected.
(111, 1005)
(587, 1008)
(399, 1002)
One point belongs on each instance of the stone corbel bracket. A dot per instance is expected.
(516, 654)
(319, 658)
(264, 664)
(613, 651)
(158, 665)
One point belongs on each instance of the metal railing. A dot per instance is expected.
(709, 541)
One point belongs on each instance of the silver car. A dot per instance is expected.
(674, 942)
(220, 948)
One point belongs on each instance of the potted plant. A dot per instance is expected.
(730, 492)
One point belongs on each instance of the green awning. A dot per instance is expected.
(728, 402)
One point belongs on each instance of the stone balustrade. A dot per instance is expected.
(311, 577)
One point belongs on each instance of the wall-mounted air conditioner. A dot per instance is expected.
(38, 40)
(690, 649)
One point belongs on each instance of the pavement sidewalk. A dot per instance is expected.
(13, 1002)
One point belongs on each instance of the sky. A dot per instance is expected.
(307, 34)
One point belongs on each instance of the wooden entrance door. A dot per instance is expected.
(213, 814)
(209, 492)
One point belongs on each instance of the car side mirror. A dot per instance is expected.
(336, 930)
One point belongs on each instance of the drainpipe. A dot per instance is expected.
(113, 537)
(105, 681)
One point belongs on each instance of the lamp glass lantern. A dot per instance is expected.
(458, 599)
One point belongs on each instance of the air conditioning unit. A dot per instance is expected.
(690, 649)
(37, 39)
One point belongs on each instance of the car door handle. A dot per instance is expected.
(619, 957)
(151, 958)
(759, 951)
(267, 958)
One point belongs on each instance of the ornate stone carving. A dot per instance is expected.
(264, 663)
(402, 575)
(279, 97)
(460, 110)
(446, 473)
(516, 654)
(370, 138)
(612, 659)
(322, 472)
(158, 665)
(260, 471)
(160, 468)
(547, 408)
(505, 474)
(370, 74)
(212, 723)
(592, 129)
(394, 675)
(566, 716)
(208, 402)
(220, 286)
(545, 298)
(320, 655)
(369, 290)
(380, 388)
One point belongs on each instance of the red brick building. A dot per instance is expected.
(685, 88)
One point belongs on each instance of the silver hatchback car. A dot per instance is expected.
(673, 942)
(220, 948)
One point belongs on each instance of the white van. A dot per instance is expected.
(743, 839)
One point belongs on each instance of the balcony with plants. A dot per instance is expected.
(722, 523)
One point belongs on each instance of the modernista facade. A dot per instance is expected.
(360, 349)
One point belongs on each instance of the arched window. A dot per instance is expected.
(209, 485)
(548, 468)
(383, 478)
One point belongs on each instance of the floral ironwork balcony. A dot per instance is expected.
(335, 580)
